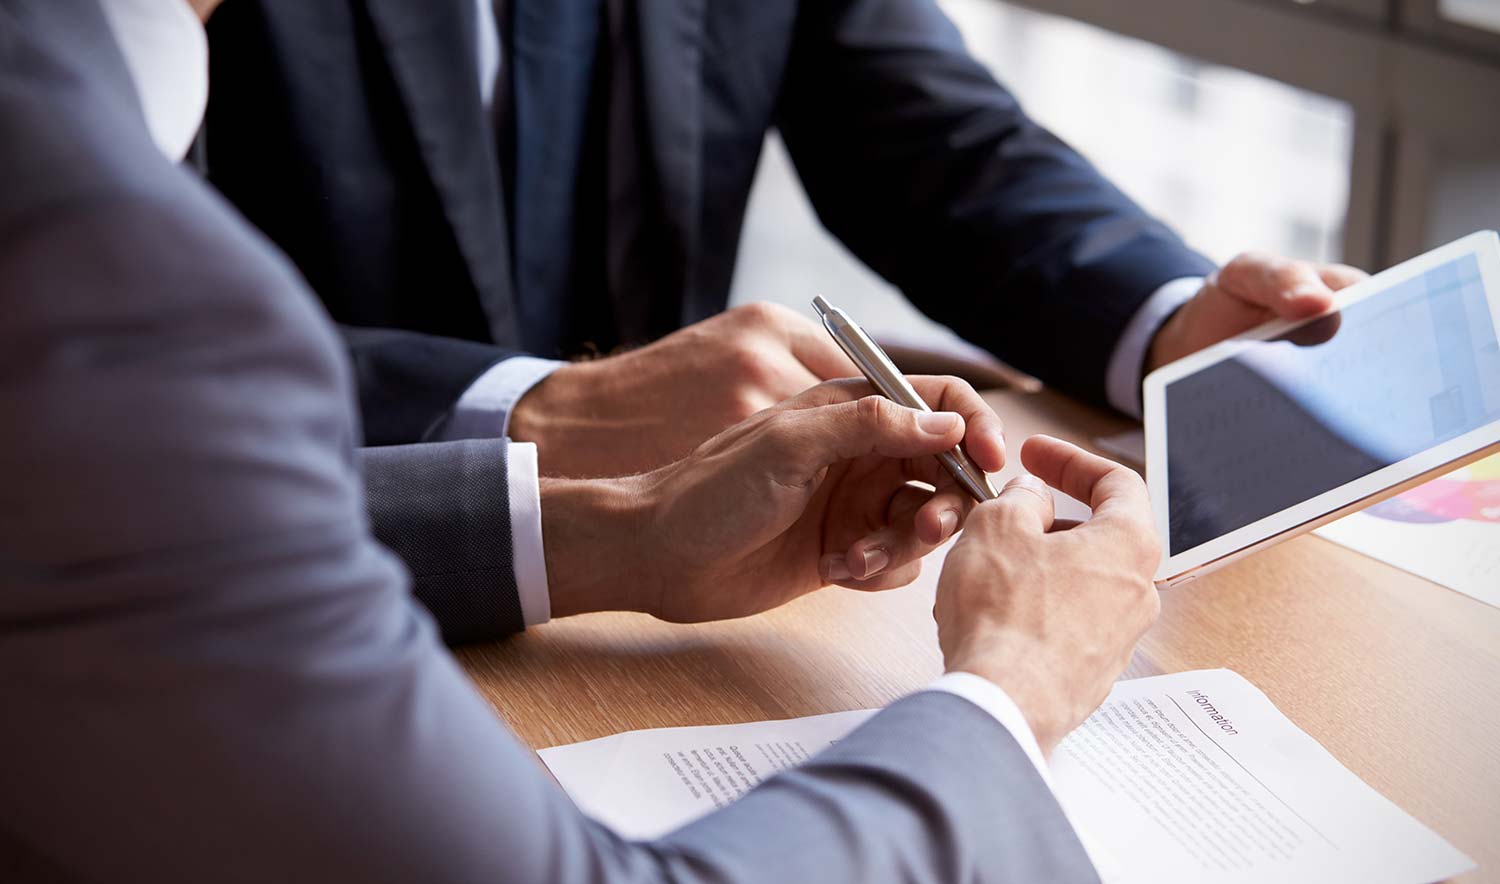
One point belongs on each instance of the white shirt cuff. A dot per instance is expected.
(483, 411)
(1122, 380)
(526, 533)
(993, 699)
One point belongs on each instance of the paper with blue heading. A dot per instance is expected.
(1185, 777)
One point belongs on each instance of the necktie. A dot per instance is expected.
(553, 136)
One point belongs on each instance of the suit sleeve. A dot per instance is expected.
(930, 172)
(222, 676)
(444, 508)
(409, 382)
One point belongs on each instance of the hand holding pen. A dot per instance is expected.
(883, 374)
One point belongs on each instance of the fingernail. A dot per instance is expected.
(948, 521)
(938, 423)
(1310, 292)
(875, 561)
(835, 568)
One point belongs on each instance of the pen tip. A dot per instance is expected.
(821, 304)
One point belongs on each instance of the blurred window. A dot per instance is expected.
(1477, 13)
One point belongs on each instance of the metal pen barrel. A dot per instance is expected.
(883, 374)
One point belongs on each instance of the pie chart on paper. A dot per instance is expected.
(1447, 530)
(1471, 493)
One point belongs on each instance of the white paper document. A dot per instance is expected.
(1447, 530)
(1198, 776)
(1188, 777)
(646, 783)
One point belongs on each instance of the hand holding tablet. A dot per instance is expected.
(1294, 424)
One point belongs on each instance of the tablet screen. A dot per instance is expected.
(1292, 417)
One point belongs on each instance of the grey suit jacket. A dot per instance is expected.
(209, 671)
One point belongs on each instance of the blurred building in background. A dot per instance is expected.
(1361, 167)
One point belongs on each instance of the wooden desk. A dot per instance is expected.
(1397, 677)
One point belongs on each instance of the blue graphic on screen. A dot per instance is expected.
(1330, 402)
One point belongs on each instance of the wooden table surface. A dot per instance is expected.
(1398, 677)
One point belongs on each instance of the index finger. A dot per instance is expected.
(1111, 490)
(984, 432)
(1289, 289)
(1339, 276)
(811, 345)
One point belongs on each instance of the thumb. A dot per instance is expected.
(814, 438)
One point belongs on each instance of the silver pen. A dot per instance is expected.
(881, 372)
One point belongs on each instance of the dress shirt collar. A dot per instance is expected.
(166, 50)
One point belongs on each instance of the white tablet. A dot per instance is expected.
(1294, 424)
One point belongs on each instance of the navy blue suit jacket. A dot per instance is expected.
(352, 133)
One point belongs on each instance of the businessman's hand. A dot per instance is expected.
(648, 407)
(812, 492)
(1252, 289)
(1051, 616)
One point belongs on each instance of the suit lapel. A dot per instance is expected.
(430, 48)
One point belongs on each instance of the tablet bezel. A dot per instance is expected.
(1337, 502)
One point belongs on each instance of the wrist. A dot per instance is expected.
(1023, 677)
(593, 538)
(1164, 346)
(537, 409)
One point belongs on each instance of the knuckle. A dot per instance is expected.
(1130, 485)
(742, 404)
(953, 382)
(1147, 607)
(1118, 472)
(777, 436)
(760, 313)
(983, 519)
(1003, 516)
(1289, 274)
(1013, 519)
(875, 413)
(1140, 493)
(1145, 589)
(839, 391)
(1153, 604)
(741, 351)
(749, 363)
(1243, 262)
